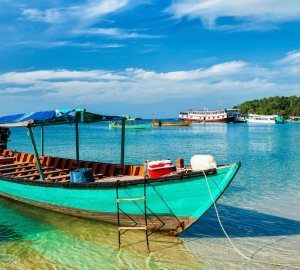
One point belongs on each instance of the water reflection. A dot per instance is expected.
(66, 242)
(241, 222)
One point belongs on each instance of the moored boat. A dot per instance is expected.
(177, 196)
(294, 120)
(237, 116)
(131, 123)
(264, 119)
(207, 116)
(171, 122)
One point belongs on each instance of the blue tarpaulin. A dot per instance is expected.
(55, 116)
(23, 117)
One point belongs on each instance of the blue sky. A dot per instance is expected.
(141, 57)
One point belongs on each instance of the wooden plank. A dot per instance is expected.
(132, 199)
(58, 177)
(27, 171)
(7, 159)
(37, 174)
(16, 168)
(14, 164)
(19, 124)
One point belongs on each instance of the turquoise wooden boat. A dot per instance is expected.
(174, 200)
(131, 123)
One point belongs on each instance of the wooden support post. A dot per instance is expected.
(42, 140)
(77, 141)
(123, 141)
(145, 212)
(35, 152)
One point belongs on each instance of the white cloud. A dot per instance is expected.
(96, 8)
(34, 77)
(236, 79)
(87, 11)
(114, 32)
(48, 16)
(44, 44)
(214, 71)
(76, 20)
(252, 13)
(292, 58)
(290, 65)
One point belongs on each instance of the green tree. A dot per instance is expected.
(284, 106)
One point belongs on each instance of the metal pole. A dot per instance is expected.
(123, 141)
(77, 141)
(118, 209)
(35, 152)
(145, 211)
(42, 140)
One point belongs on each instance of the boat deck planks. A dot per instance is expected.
(58, 169)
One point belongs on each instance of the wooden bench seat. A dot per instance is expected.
(59, 177)
(9, 169)
(14, 164)
(4, 160)
(45, 173)
(27, 171)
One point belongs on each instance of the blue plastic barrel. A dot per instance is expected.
(82, 175)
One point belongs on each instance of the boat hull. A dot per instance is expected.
(208, 116)
(294, 122)
(264, 119)
(176, 201)
(170, 124)
(261, 121)
(223, 120)
(139, 126)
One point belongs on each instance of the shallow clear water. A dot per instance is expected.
(260, 211)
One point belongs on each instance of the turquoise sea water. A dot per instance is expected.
(260, 210)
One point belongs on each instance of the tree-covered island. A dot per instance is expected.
(283, 106)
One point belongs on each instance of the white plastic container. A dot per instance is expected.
(203, 162)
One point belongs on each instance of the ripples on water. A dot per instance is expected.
(260, 209)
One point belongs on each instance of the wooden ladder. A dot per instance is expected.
(122, 229)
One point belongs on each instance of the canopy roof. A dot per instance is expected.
(54, 117)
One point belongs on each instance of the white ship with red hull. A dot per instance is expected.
(207, 116)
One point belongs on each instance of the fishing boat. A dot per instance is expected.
(153, 195)
(264, 119)
(207, 116)
(171, 122)
(294, 120)
(131, 123)
(237, 116)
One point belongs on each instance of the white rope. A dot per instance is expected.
(277, 264)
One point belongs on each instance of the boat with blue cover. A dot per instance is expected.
(177, 196)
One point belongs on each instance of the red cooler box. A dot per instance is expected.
(159, 168)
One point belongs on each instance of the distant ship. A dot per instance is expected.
(208, 116)
(264, 119)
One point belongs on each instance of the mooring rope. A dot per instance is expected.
(221, 225)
